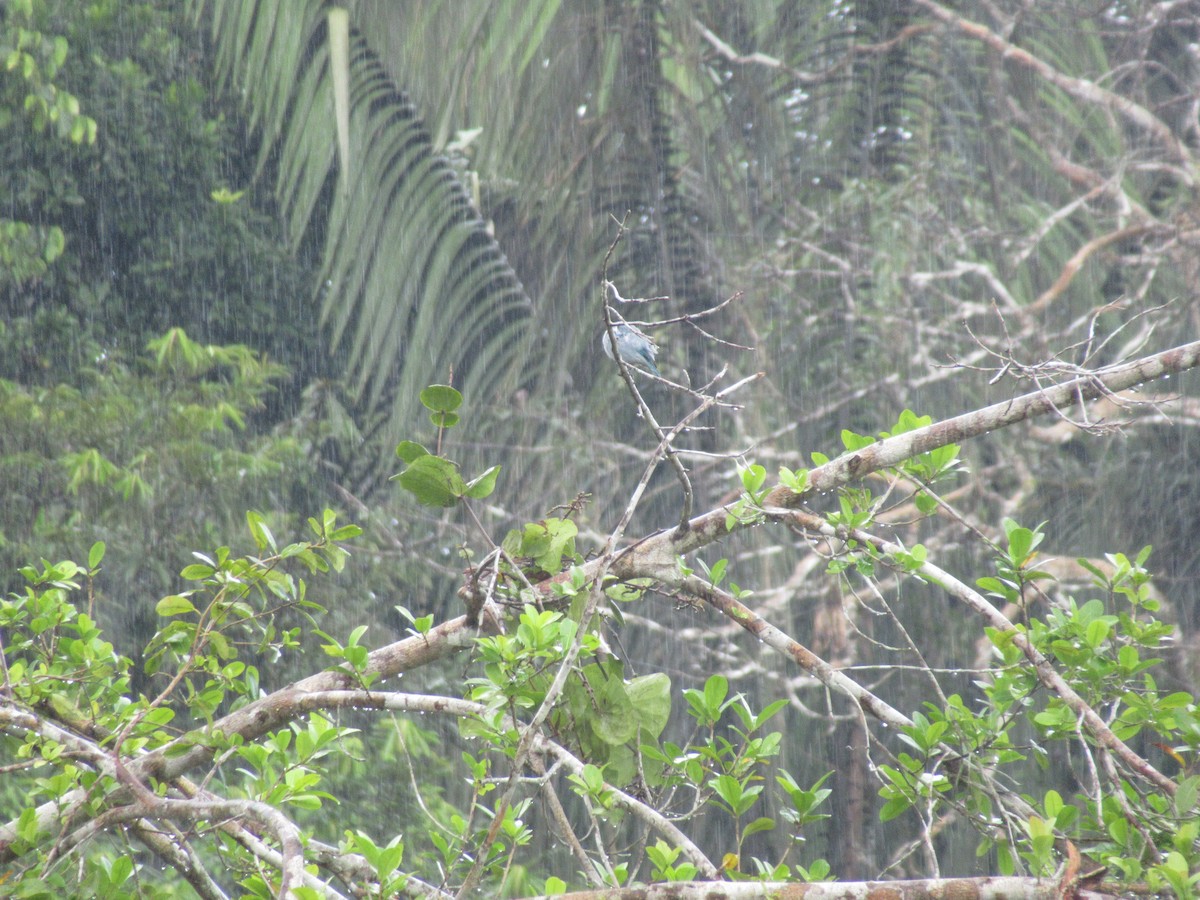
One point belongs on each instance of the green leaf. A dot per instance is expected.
(614, 720)
(893, 808)
(926, 503)
(852, 441)
(259, 531)
(546, 542)
(716, 688)
(728, 789)
(410, 451)
(482, 485)
(1097, 633)
(753, 478)
(441, 398)
(909, 421)
(433, 481)
(96, 554)
(120, 870)
(1186, 796)
(770, 711)
(760, 824)
(56, 242)
(651, 699)
(345, 532)
(1052, 804)
(159, 716)
(1020, 541)
(174, 605)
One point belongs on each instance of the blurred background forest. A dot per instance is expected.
(909, 198)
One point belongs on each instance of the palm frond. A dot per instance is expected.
(413, 287)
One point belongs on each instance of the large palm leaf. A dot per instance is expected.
(413, 288)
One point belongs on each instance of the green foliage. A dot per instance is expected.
(663, 858)
(796, 482)
(121, 456)
(27, 251)
(543, 545)
(435, 480)
(31, 62)
(1098, 646)
(729, 770)
(412, 281)
(931, 466)
(58, 664)
(111, 234)
(603, 717)
(1013, 568)
(233, 610)
(385, 860)
(284, 768)
(863, 193)
(441, 400)
(37, 58)
(746, 510)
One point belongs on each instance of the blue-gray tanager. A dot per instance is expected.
(635, 348)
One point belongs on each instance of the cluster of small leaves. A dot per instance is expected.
(432, 479)
(55, 653)
(613, 723)
(98, 875)
(747, 509)
(728, 773)
(32, 59)
(716, 576)
(517, 671)
(26, 251)
(458, 842)
(856, 509)
(857, 506)
(540, 547)
(37, 58)
(385, 860)
(284, 768)
(235, 603)
(602, 714)
(1100, 647)
(925, 468)
(456, 835)
(121, 457)
(60, 667)
(861, 557)
(1015, 569)
(908, 784)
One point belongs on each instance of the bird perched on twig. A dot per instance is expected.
(635, 347)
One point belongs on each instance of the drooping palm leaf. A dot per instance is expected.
(413, 286)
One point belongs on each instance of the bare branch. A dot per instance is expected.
(1079, 88)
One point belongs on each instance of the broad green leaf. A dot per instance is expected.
(174, 605)
(651, 699)
(441, 398)
(433, 481)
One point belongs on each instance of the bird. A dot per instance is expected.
(635, 348)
